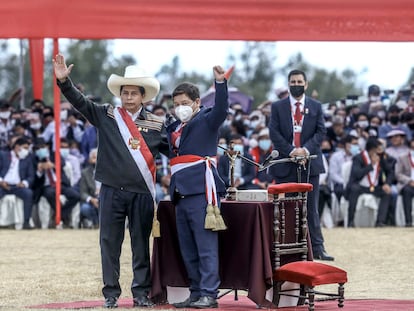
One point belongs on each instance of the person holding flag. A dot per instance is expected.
(129, 139)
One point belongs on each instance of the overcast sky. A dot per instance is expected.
(385, 64)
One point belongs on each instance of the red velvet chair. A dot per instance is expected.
(290, 237)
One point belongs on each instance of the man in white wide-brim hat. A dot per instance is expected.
(129, 139)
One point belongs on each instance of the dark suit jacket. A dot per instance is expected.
(39, 181)
(359, 169)
(199, 137)
(281, 134)
(26, 170)
(115, 166)
(87, 183)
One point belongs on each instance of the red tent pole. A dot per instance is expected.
(37, 61)
(56, 111)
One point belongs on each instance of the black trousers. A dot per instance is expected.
(407, 194)
(115, 206)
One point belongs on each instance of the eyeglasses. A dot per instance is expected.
(183, 104)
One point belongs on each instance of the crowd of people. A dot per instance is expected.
(350, 126)
(191, 154)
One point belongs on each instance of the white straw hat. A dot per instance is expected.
(134, 75)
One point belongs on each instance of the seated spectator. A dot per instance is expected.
(244, 172)
(369, 174)
(259, 154)
(404, 173)
(89, 194)
(75, 165)
(45, 181)
(336, 131)
(397, 144)
(17, 175)
(338, 159)
(6, 124)
(394, 123)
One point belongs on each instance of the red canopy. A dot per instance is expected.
(258, 20)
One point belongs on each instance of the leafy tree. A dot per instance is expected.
(254, 70)
(329, 85)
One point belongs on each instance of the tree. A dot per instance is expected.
(255, 71)
(330, 85)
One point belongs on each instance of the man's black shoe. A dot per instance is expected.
(143, 301)
(323, 256)
(204, 302)
(111, 303)
(185, 304)
(27, 226)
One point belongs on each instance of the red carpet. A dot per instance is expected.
(227, 303)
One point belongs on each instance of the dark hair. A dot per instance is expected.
(157, 107)
(141, 89)
(295, 72)
(188, 89)
(21, 141)
(372, 143)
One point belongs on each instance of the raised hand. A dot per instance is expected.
(218, 73)
(61, 70)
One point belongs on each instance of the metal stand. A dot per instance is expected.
(231, 192)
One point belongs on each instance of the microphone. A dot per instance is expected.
(273, 155)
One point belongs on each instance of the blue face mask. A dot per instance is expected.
(265, 144)
(355, 149)
(221, 151)
(42, 153)
(64, 152)
(239, 148)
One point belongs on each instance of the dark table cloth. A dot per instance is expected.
(245, 251)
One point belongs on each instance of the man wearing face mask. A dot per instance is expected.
(370, 173)
(45, 181)
(337, 161)
(196, 186)
(243, 172)
(394, 123)
(374, 104)
(404, 172)
(17, 175)
(260, 154)
(297, 128)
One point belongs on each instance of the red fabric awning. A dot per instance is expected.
(258, 20)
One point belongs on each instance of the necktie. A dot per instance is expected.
(297, 118)
(50, 177)
(176, 135)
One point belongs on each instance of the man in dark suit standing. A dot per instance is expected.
(297, 129)
(129, 138)
(196, 186)
(17, 175)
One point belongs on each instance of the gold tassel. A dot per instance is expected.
(156, 232)
(210, 222)
(220, 225)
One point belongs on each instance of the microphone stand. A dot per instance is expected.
(233, 155)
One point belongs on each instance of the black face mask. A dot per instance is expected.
(411, 126)
(297, 90)
(394, 119)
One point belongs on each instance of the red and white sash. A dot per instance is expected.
(372, 177)
(137, 147)
(185, 161)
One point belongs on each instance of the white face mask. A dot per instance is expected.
(5, 114)
(36, 126)
(184, 113)
(63, 115)
(64, 152)
(23, 153)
